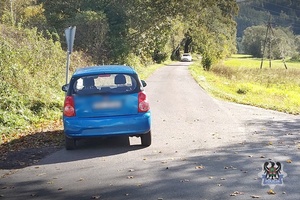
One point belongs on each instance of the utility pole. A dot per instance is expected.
(268, 38)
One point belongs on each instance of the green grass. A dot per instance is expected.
(249, 62)
(239, 79)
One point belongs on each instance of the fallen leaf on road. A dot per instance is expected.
(95, 197)
(59, 189)
(199, 167)
(236, 193)
(289, 161)
(81, 179)
(271, 192)
(129, 177)
(185, 180)
(255, 196)
(131, 170)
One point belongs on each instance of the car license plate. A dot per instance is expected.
(107, 105)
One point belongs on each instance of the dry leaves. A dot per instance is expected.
(185, 180)
(236, 193)
(199, 167)
(271, 192)
(95, 197)
(23, 149)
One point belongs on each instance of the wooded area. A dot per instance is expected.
(110, 31)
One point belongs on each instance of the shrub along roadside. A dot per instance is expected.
(238, 81)
(32, 70)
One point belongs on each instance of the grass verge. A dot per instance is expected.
(239, 79)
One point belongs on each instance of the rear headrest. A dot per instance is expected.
(120, 79)
(89, 81)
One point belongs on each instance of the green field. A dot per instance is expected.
(240, 79)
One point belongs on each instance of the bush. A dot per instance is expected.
(32, 70)
(159, 56)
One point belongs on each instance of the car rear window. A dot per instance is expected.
(105, 84)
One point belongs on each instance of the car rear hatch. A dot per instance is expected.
(106, 95)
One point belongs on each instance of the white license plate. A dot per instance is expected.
(107, 105)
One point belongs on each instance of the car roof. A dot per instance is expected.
(104, 69)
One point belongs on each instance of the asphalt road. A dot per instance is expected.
(202, 148)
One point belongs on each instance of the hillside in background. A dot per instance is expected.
(284, 13)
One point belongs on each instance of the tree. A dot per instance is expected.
(11, 11)
(91, 33)
(253, 40)
(152, 28)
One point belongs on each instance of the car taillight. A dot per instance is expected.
(143, 103)
(69, 109)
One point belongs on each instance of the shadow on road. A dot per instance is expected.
(30, 149)
(93, 148)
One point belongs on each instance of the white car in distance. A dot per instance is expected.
(186, 57)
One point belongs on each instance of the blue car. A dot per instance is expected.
(106, 101)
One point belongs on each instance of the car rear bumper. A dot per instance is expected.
(186, 60)
(107, 126)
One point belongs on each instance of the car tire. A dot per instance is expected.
(146, 139)
(70, 143)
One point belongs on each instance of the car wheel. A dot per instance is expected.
(70, 143)
(146, 139)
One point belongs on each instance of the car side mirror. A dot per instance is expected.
(144, 83)
(65, 87)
